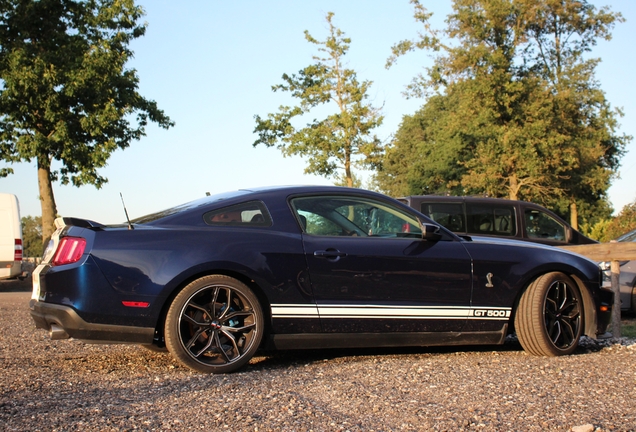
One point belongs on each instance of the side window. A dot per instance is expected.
(353, 216)
(450, 216)
(505, 221)
(253, 213)
(480, 219)
(318, 225)
(540, 225)
(490, 219)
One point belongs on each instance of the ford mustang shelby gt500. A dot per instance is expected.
(216, 279)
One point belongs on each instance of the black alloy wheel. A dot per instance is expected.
(549, 319)
(214, 325)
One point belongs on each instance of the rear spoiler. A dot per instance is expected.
(71, 221)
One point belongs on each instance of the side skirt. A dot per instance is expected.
(367, 340)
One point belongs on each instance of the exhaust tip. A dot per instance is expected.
(57, 333)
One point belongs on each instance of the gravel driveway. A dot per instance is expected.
(68, 386)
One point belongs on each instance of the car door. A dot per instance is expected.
(371, 271)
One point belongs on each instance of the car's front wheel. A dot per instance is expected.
(549, 319)
(214, 325)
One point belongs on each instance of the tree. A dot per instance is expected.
(623, 223)
(65, 93)
(562, 32)
(535, 123)
(32, 236)
(341, 140)
(425, 155)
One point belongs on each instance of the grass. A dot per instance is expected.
(628, 326)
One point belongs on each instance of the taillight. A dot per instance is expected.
(17, 256)
(69, 250)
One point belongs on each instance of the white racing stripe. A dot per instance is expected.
(390, 312)
(294, 311)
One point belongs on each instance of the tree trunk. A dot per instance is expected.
(574, 216)
(347, 167)
(513, 188)
(47, 200)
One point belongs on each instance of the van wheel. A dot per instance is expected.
(549, 319)
(214, 325)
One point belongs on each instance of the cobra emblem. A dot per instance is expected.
(489, 279)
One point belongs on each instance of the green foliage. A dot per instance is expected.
(628, 328)
(341, 180)
(428, 152)
(597, 231)
(343, 139)
(608, 229)
(32, 236)
(514, 109)
(65, 92)
(623, 223)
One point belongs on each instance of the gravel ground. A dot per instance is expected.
(69, 386)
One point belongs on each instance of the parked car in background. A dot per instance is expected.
(495, 217)
(627, 280)
(10, 237)
(216, 279)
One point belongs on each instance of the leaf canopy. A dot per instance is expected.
(340, 140)
(523, 116)
(66, 94)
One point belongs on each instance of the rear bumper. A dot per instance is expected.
(46, 315)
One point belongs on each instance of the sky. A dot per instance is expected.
(210, 66)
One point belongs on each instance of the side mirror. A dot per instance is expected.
(431, 232)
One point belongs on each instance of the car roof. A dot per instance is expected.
(490, 200)
(242, 195)
(628, 237)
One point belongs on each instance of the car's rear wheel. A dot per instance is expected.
(549, 319)
(214, 325)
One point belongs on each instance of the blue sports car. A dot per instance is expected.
(217, 279)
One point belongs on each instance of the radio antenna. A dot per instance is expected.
(130, 226)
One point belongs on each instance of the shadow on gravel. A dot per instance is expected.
(286, 359)
(15, 285)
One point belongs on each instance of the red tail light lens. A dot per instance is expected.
(18, 250)
(69, 250)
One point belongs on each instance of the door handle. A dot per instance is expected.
(330, 254)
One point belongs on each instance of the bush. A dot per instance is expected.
(623, 223)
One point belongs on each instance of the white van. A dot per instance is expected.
(10, 237)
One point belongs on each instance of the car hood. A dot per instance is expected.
(499, 240)
(524, 244)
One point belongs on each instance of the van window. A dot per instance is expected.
(490, 219)
(540, 225)
(450, 216)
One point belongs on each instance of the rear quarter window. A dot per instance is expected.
(253, 213)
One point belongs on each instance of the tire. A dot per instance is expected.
(214, 325)
(549, 319)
